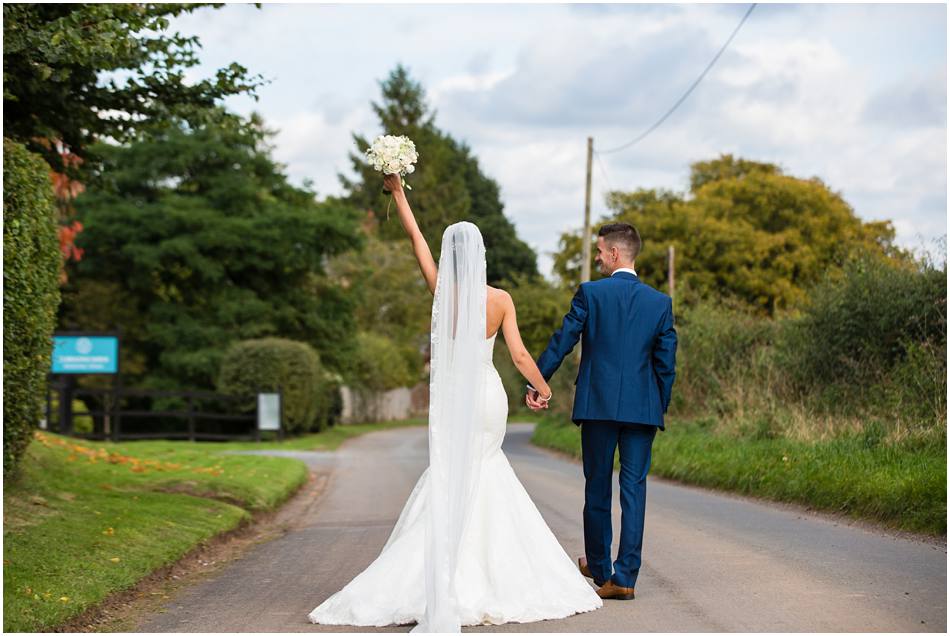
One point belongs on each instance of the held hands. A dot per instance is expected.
(536, 401)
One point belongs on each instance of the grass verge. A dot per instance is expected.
(83, 520)
(902, 487)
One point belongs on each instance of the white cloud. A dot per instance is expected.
(855, 95)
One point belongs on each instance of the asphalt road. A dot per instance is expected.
(712, 562)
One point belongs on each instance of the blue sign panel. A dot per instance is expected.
(85, 354)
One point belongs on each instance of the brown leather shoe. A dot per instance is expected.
(613, 591)
(585, 570)
(582, 566)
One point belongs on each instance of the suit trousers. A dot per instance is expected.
(599, 442)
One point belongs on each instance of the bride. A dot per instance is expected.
(470, 547)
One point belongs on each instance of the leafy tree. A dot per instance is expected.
(448, 185)
(389, 295)
(748, 231)
(655, 205)
(198, 240)
(74, 74)
(540, 307)
(62, 65)
(726, 167)
(379, 365)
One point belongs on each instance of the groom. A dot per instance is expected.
(628, 360)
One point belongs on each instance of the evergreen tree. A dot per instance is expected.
(195, 240)
(447, 186)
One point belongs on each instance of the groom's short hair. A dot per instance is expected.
(624, 236)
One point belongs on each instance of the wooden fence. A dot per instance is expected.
(119, 413)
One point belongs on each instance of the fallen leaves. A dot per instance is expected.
(135, 464)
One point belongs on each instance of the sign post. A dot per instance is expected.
(270, 412)
(83, 353)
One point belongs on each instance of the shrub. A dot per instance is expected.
(873, 337)
(719, 348)
(31, 267)
(252, 366)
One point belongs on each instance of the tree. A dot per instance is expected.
(540, 307)
(390, 297)
(448, 185)
(61, 91)
(749, 232)
(200, 239)
(726, 167)
(61, 64)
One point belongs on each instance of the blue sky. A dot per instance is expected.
(853, 94)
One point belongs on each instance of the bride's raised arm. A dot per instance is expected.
(393, 183)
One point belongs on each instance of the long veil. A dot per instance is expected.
(456, 410)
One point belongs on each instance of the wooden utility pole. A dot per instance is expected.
(671, 253)
(585, 253)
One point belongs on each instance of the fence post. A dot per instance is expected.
(257, 415)
(66, 406)
(117, 405)
(191, 418)
(280, 416)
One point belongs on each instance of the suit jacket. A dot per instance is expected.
(628, 352)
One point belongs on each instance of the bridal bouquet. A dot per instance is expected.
(390, 154)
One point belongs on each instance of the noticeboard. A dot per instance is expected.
(268, 411)
(85, 353)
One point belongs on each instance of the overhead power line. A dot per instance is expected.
(688, 91)
(603, 170)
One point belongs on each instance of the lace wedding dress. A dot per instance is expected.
(504, 564)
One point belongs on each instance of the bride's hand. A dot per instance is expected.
(393, 183)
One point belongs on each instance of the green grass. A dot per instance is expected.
(329, 439)
(81, 523)
(903, 487)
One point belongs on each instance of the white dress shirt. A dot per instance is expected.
(624, 269)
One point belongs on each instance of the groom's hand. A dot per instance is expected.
(531, 399)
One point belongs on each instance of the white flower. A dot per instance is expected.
(390, 154)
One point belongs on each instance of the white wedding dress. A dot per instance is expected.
(510, 566)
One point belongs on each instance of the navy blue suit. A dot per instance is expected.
(628, 364)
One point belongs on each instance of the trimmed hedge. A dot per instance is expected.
(31, 267)
(265, 364)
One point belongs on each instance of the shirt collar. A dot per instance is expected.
(624, 269)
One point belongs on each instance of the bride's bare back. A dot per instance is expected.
(498, 301)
